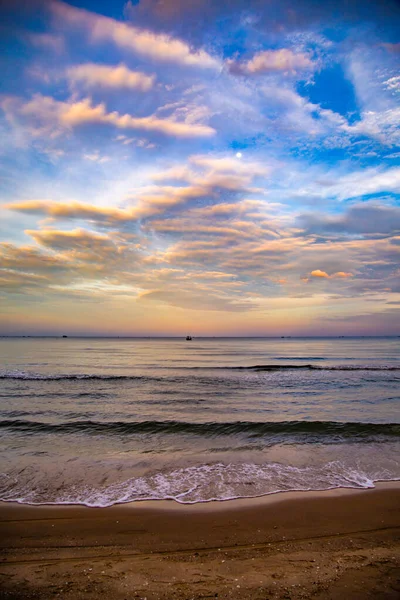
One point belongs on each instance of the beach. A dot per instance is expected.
(329, 545)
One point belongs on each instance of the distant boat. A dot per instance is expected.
(188, 338)
(65, 336)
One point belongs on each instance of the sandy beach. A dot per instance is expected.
(330, 545)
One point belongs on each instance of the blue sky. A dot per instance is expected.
(169, 167)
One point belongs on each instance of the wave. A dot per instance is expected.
(189, 485)
(309, 431)
(258, 368)
(310, 367)
(59, 377)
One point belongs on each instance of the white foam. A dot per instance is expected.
(202, 483)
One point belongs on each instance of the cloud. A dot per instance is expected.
(384, 126)
(77, 210)
(222, 221)
(119, 77)
(196, 301)
(65, 240)
(272, 61)
(319, 273)
(30, 259)
(45, 114)
(48, 41)
(228, 257)
(211, 180)
(393, 83)
(364, 218)
(96, 158)
(379, 118)
(230, 165)
(15, 282)
(66, 261)
(212, 172)
(342, 275)
(89, 212)
(324, 275)
(395, 48)
(158, 47)
(373, 180)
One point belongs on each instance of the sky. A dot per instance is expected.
(207, 168)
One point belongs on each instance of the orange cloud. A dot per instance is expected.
(150, 201)
(30, 259)
(159, 47)
(166, 126)
(77, 210)
(342, 274)
(17, 281)
(319, 273)
(119, 77)
(83, 112)
(46, 114)
(66, 239)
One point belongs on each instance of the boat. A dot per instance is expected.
(188, 338)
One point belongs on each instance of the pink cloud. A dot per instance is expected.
(159, 47)
(119, 77)
(272, 61)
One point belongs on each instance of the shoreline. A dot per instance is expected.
(341, 543)
(170, 504)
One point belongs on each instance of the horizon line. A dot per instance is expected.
(174, 337)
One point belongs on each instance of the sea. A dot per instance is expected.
(97, 421)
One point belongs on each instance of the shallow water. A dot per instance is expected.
(100, 421)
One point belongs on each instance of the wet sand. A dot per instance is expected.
(332, 545)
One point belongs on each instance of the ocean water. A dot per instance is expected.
(105, 421)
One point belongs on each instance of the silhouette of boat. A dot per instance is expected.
(188, 338)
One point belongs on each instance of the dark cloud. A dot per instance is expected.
(192, 20)
(366, 218)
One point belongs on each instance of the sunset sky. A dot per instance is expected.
(187, 166)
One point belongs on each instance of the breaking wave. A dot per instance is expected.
(29, 376)
(190, 485)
